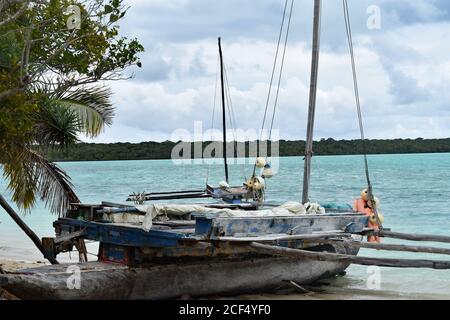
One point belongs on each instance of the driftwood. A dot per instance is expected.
(366, 261)
(412, 237)
(389, 247)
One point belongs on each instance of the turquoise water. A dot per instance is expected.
(414, 192)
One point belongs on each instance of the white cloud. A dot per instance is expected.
(403, 69)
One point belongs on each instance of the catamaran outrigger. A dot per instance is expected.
(158, 251)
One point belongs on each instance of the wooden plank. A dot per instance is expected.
(169, 192)
(114, 205)
(125, 235)
(175, 223)
(413, 237)
(70, 236)
(366, 261)
(389, 247)
(299, 224)
(285, 237)
(175, 197)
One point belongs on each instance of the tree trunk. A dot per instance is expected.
(25, 228)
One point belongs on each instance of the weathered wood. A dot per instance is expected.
(366, 261)
(284, 237)
(312, 99)
(217, 276)
(37, 242)
(70, 236)
(113, 204)
(389, 247)
(412, 237)
(175, 223)
(176, 197)
(299, 287)
(292, 225)
(82, 251)
(169, 192)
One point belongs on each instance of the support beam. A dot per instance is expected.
(388, 247)
(365, 261)
(412, 237)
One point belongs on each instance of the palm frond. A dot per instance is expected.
(21, 181)
(36, 175)
(56, 127)
(92, 106)
(53, 183)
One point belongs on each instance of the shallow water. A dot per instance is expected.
(414, 192)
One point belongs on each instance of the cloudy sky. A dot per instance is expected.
(403, 68)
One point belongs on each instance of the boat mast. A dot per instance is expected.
(223, 113)
(312, 99)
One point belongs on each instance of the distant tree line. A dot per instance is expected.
(163, 150)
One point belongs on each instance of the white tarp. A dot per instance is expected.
(161, 212)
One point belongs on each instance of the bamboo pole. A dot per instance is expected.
(25, 228)
(366, 261)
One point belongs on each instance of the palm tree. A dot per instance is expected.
(59, 120)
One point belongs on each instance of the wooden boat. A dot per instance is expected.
(204, 250)
(196, 253)
(162, 252)
(204, 256)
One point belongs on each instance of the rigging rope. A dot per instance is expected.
(358, 106)
(273, 70)
(213, 115)
(281, 69)
(232, 117)
(275, 63)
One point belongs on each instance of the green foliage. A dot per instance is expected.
(48, 96)
(163, 150)
(55, 126)
(91, 107)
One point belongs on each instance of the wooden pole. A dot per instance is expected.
(25, 228)
(365, 261)
(412, 237)
(224, 126)
(389, 247)
(312, 100)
